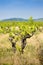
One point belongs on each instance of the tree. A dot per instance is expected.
(31, 20)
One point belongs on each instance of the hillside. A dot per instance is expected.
(15, 19)
(21, 19)
(39, 19)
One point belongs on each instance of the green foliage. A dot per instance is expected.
(31, 22)
(19, 29)
(18, 47)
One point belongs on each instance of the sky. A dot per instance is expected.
(21, 9)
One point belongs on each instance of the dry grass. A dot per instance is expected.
(33, 52)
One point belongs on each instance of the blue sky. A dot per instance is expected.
(21, 9)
